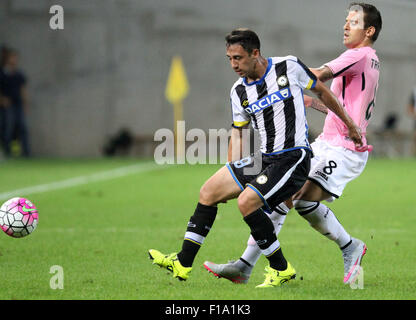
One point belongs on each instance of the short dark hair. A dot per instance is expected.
(247, 38)
(372, 17)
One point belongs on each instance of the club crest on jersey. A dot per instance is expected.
(261, 179)
(282, 81)
(268, 100)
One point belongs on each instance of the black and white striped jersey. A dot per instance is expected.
(274, 104)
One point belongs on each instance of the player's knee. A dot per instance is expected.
(206, 196)
(247, 204)
(310, 192)
(298, 196)
(243, 204)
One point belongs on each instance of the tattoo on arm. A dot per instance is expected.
(318, 105)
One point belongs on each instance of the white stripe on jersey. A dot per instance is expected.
(275, 104)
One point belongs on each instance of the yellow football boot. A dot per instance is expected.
(275, 278)
(171, 263)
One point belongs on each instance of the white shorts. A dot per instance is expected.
(332, 167)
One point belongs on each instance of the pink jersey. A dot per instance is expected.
(356, 73)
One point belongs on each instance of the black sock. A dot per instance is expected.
(262, 230)
(277, 260)
(198, 227)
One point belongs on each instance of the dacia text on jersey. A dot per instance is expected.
(268, 100)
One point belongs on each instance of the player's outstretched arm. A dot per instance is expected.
(329, 100)
(323, 73)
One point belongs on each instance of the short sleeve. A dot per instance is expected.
(343, 64)
(305, 78)
(239, 116)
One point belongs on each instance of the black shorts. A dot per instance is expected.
(275, 178)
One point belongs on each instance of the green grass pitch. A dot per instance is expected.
(99, 233)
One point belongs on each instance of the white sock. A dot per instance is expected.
(322, 219)
(252, 253)
(278, 217)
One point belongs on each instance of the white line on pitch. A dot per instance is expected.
(85, 179)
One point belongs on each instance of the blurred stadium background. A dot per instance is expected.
(107, 70)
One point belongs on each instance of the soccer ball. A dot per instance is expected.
(18, 217)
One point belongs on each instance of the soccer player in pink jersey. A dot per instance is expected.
(337, 160)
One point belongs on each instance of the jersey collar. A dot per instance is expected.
(269, 66)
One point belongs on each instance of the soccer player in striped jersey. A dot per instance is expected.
(269, 94)
(337, 159)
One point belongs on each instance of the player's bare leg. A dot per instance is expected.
(279, 270)
(239, 271)
(308, 204)
(219, 188)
